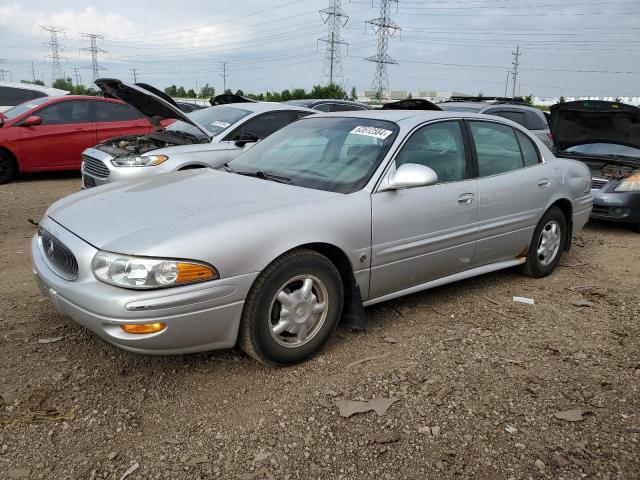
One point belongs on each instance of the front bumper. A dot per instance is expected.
(612, 206)
(108, 173)
(198, 317)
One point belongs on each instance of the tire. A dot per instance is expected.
(538, 264)
(277, 298)
(7, 167)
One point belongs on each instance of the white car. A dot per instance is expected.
(12, 93)
(209, 137)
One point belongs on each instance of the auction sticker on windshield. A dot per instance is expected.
(217, 123)
(381, 133)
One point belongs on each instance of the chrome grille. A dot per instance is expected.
(95, 167)
(59, 256)
(598, 183)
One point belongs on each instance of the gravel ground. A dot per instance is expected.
(478, 380)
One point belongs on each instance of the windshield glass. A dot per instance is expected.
(460, 108)
(25, 107)
(605, 149)
(215, 119)
(333, 154)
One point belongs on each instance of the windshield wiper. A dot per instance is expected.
(265, 176)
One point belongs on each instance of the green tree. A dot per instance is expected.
(562, 100)
(191, 93)
(228, 92)
(409, 97)
(285, 96)
(354, 94)
(240, 93)
(298, 94)
(172, 91)
(207, 91)
(63, 84)
(33, 82)
(260, 97)
(252, 96)
(328, 91)
(181, 92)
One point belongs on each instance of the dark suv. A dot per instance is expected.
(328, 105)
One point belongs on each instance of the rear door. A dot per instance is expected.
(116, 119)
(514, 186)
(67, 128)
(421, 234)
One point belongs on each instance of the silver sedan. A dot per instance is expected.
(330, 214)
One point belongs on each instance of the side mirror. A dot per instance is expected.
(410, 175)
(241, 141)
(32, 121)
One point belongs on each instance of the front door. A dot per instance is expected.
(67, 129)
(424, 233)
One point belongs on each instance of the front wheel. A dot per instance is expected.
(548, 242)
(7, 168)
(292, 308)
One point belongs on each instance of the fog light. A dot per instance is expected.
(141, 329)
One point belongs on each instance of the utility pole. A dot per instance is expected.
(134, 72)
(77, 75)
(3, 72)
(55, 46)
(335, 18)
(93, 50)
(33, 72)
(516, 63)
(385, 28)
(506, 85)
(224, 75)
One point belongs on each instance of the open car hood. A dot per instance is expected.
(149, 101)
(594, 121)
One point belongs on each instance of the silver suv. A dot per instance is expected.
(531, 118)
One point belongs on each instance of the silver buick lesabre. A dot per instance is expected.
(330, 214)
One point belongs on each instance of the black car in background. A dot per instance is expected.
(329, 105)
(606, 137)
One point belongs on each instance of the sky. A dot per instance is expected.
(570, 47)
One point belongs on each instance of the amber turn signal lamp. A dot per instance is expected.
(190, 272)
(141, 329)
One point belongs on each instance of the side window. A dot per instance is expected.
(66, 112)
(529, 150)
(514, 116)
(115, 112)
(439, 146)
(342, 107)
(265, 124)
(496, 147)
(323, 107)
(297, 115)
(535, 121)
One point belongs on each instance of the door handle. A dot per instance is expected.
(465, 199)
(544, 183)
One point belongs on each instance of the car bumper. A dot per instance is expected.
(621, 207)
(198, 317)
(97, 170)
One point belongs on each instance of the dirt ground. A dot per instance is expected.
(478, 380)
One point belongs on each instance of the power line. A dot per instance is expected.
(385, 28)
(55, 46)
(335, 18)
(93, 50)
(514, 72)
(77, 75)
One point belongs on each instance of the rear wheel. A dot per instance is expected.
(292, 308)
(548, 242)
(7, 167)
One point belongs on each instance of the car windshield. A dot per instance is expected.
(605, 149)
(461, 108)
(215, 119)
(332, 154)
(25, 107)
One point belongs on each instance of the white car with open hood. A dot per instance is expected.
(209, 137)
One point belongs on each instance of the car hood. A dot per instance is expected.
(137, 217)
(147, 101)
(590, 121)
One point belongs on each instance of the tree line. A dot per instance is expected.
(318, 91)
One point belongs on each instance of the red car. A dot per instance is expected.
(50, 133)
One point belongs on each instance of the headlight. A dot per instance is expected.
(144, 273)
(629, 184)
(140, 161)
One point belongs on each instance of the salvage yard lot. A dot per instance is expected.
(488, 373)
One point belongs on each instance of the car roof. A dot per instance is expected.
(259, 107)
(50, 92)
(484, 105)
